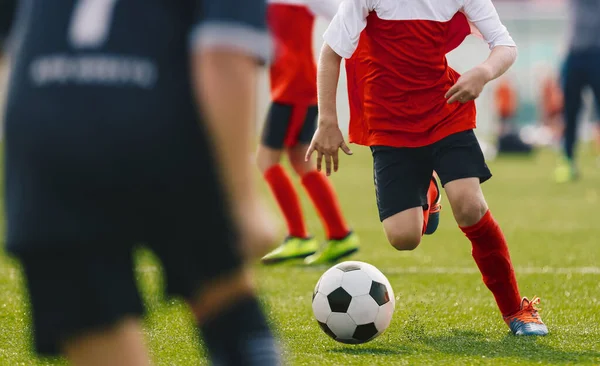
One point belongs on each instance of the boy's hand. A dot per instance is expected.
(326, 141)
(469, 85)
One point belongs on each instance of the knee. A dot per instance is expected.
(298, 163)
(468, 211)
(300, 167)
(266, 160)
(404, 239)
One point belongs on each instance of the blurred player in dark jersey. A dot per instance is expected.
(289, 127)
(580, 70)
(106, 148)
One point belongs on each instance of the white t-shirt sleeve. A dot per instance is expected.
(484, 16)
(324, 8)
(343, 32)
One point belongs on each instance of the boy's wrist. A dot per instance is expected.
(487, 72)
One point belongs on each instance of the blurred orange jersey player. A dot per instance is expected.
(289, 127)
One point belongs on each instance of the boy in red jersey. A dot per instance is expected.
(289, 127)
(418, 115)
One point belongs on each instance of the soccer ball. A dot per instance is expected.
(353, 302)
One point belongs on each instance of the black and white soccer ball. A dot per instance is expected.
(353, 302)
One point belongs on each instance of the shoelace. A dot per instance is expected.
(529, 313)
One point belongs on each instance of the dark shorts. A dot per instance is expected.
(288, 125)
(74, 231)
(579, 71)
(402, 175)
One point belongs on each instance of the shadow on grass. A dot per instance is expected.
(373, 350)
(469, 343)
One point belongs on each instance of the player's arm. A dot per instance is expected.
(341, 39)
(231, 41)
(483, 15)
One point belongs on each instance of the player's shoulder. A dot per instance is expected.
(420, 9)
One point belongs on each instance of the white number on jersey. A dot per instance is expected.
(90, 23)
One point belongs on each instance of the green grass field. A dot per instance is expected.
(444, 313)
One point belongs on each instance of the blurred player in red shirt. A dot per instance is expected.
(418, 115)
(290, 125)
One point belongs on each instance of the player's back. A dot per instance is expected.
(106, 79)
(103, 137)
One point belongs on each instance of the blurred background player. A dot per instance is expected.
(552, 107)
(507, 104)
(418, 116)
(289, 127)
(579, 71)
(105, 149)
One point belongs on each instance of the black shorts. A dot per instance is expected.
(288, 125)
(402, 175)
(74, 231)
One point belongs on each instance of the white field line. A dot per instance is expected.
(465, 270)
(475, 270)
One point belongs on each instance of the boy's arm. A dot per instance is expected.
(328, 73)
(341, 39)
(483, 15)
(470, 84)
(229, 42)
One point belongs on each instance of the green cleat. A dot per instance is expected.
(565, 172)
(292, 248)
(335, 250)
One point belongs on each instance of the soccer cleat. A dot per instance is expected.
(565, 172)
(435, 208)
(292, 248)
(335, 250)
(527, 321)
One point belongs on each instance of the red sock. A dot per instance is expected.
(325, 200)
(287, 198)
(491, 255)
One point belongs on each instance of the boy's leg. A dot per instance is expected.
(283, 190)
(574, 80)
(232, 323)
(341, 241)
(405, 191)
(220, 292)
(282, 120)
(461, 166)
(321, 192)
(594, 81)
(121, 344)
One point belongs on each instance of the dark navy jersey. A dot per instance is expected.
(111, 78)
(102, 88)
(7, 11)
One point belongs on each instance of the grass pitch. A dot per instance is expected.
(444, 313)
